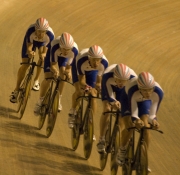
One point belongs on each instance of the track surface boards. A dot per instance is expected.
(145, 35)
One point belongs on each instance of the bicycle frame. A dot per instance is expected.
(25, 88)
(133, 158)
(85, 125)
(112, 139)
(52, 113)
(88, 98)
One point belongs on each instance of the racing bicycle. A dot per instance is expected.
(24, 91)
(83, 125)
(137, 160)
(112, 141)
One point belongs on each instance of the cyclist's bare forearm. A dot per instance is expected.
(82, 80)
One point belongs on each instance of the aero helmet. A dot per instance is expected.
(41, 24)
(95, 52)
(121, 71)
(145, 80)
(66, 41)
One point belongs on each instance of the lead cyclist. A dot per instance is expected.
(145, 96)
(38, 36)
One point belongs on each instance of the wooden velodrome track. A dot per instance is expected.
(145, 35)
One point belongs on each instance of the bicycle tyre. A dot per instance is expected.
(25, 95)
(104, 156)
(142, 165)
(52, 114)
(75, 131)
(21, 94)
(115, 146)
(43, 110)
(88, 133)
(19, 99)
(127, 166)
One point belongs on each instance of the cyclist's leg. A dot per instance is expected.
(44, 86)
(40, 63)
(75, 95)
(21, 73)
(103, 124)
(124, 123)
(73, 110)
(144, 108)
(75, 81)
(93, 100)
(144, 118)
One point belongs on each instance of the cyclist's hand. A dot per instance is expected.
(155, 124)
(87, 89)
(31, 54)
(68, 75)
(42, 56)
(139, 123)
(98, 88)
(55, 73)
(116, 105)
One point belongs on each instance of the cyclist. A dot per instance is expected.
(63, 52)
(114, 96)
(38, 35)
(145, 96)
(91, 64)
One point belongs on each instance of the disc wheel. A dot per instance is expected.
(24, 97)
(52, 114)
(88, 133)
(114, 150)
(142, 165)
(75, 132)
(43, 110)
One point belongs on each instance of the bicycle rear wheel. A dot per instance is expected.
(52, 113)
(20, 99)
(88, 133)
(127, 166)
(114, 150)
(75, 131)
(21, 94)
(25, 95)
(43, 110)
(104, 156)
(142, 165)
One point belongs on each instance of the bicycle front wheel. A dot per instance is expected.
(104, 156)
(114, 150)
(142, 165)
(75, 132)
(20, 99)
(43, 110)
(88, 133)
(127, 166)
(52, 113)
(25, 96)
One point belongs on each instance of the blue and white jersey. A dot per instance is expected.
(32, 38)
(57, 55)
(136, 100)
(109, 85)
(83, 64)
(84, 68)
